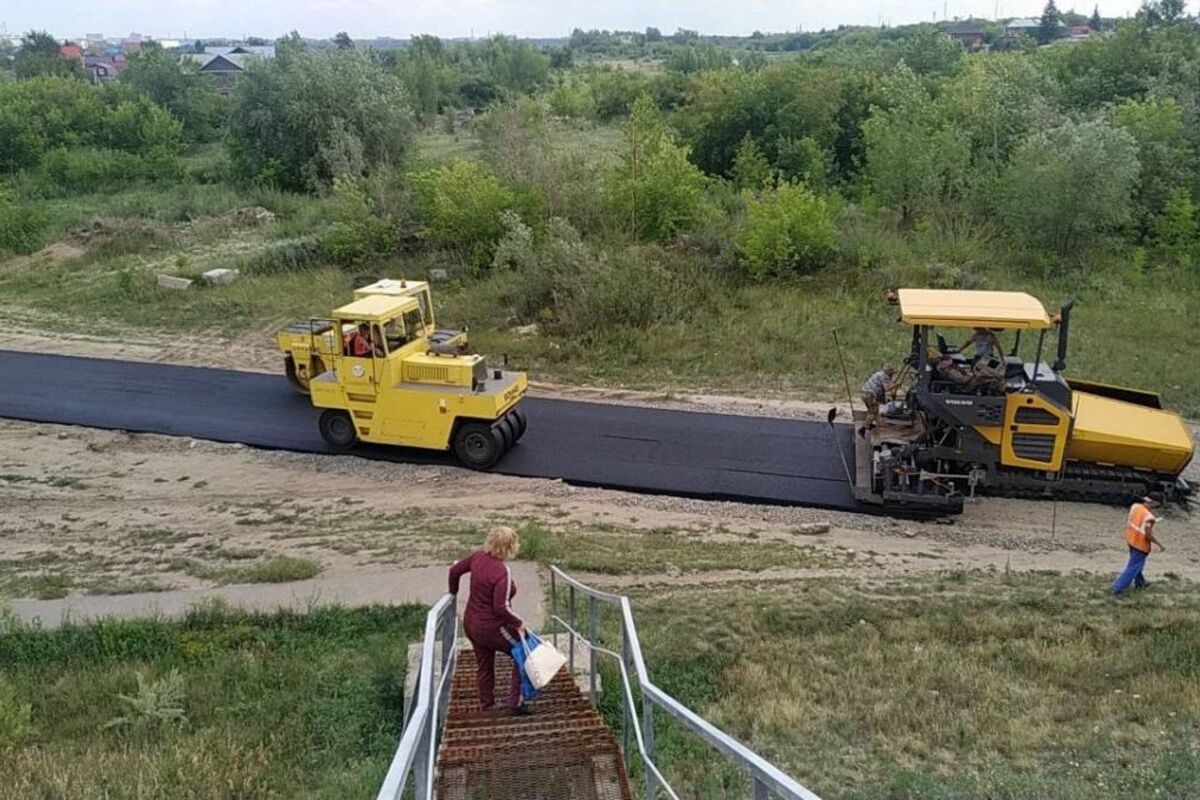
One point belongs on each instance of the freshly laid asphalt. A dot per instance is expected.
(657, 451)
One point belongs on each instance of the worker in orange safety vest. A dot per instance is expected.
(1139, 535)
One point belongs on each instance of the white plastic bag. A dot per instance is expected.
(542, 663)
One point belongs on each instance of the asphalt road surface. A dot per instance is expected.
(690, 454)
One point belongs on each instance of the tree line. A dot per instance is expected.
(1055, 153)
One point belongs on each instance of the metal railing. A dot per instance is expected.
(424, 718)
(766, 779)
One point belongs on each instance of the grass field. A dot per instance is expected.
(219, 705)
(973, 686)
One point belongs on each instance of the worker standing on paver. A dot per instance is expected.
(875, 391)
(489, 620)
(1139, 535)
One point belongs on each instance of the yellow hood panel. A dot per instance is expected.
(1108, 431)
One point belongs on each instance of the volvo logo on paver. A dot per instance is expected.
(358, 371)
(959, 402)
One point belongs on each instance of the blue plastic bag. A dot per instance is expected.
(518, 656)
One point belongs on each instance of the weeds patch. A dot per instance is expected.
(309, 704)
(1034, 686)
(280, 569)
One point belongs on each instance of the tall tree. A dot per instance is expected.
(1095, 22)
(300, 120)
(39, 55)
(1051, 19)
(177, 87)
(657, 190)
(1171, 10)
(343, 41)
(1068, 186)
(928, 51)
(751, 170)
(916, 159)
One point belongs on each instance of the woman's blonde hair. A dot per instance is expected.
(502, 543)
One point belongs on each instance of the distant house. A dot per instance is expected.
(71, 51)
(1079, 32)
(260, 50)
(223, 68)
(226, 64)
(1022, 27)
(104, 68)
(968, 35)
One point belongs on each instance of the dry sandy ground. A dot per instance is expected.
(108, 511)
(101, 511)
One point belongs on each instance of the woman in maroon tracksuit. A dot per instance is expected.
(489, 620)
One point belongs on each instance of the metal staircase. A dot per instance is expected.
(451, 750)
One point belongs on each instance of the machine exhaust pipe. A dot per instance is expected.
(1064, 330)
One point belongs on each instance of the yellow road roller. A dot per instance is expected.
(383, 373)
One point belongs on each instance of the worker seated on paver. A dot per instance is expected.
(989, 377)
(958, 378)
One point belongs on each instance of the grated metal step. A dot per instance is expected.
(563, 751)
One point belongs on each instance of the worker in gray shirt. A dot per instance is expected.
(987, 345)
(875, 391)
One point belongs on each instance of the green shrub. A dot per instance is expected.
(359, 233)
(16, 717)
(155, 703)
(20, 145)
(560, 281)
(459, 205)
(301, 119)
(21, 225)
(48, 113)
(786, 229)
(571, 100)
(87, 170)
(1175, 230)
(287, 256)
(139, 126)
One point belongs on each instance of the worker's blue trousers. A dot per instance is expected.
(1132, 573)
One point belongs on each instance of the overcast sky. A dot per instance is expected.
(370, 18)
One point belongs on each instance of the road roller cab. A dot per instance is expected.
(389, 378)
(309, 346)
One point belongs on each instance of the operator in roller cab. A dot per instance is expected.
(998, 423)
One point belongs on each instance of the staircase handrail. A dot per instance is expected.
(767, 779)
